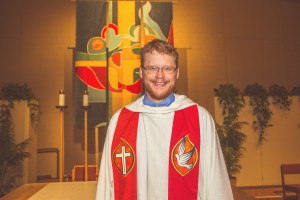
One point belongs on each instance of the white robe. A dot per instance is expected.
(153, 140)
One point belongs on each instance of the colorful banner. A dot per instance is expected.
(109, 37)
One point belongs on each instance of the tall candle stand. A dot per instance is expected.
(61, 107)
(85, 109)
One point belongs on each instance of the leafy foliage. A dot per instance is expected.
(280, 96)
(11, 154)
(231, 140)
(231, 99)
(259, 101)
(230, 135)
(295, 91)
(16, 92)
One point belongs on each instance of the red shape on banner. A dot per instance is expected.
(116, 58)
(134, 88)
(88, 76)
(171, 35)
(95, 77)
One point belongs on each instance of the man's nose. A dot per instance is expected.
(160, 72)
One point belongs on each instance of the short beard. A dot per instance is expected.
(150, 93)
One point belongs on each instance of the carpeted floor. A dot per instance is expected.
(267, 193)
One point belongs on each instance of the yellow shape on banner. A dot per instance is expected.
(126, 18)
(113, 75)
(91, 63)
(128, 72)
(127, 54)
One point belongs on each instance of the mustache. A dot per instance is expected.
(160, 81)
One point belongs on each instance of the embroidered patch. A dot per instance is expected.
(184, 156)
(123, 157)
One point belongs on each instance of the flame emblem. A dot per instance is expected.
(184, 156)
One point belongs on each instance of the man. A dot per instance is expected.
(163, 145)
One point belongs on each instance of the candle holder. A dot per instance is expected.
(61, 108)
(61, 152)
(86, 107)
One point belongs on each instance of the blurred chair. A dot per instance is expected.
(290, 169)
(78, 173)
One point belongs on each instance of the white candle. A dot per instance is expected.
(85, 98)
(61, 98)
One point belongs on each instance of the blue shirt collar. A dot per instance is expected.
(166, 102)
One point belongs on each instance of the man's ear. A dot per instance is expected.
(141, 72)
(177, 74)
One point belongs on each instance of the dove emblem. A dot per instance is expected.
(184, 156)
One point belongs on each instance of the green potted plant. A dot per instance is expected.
(229, 131)
(13, 154)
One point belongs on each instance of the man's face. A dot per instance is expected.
(159, 84)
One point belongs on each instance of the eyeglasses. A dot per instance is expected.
(165, 69)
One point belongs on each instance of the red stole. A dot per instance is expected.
(185, 142)
(183, 183)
